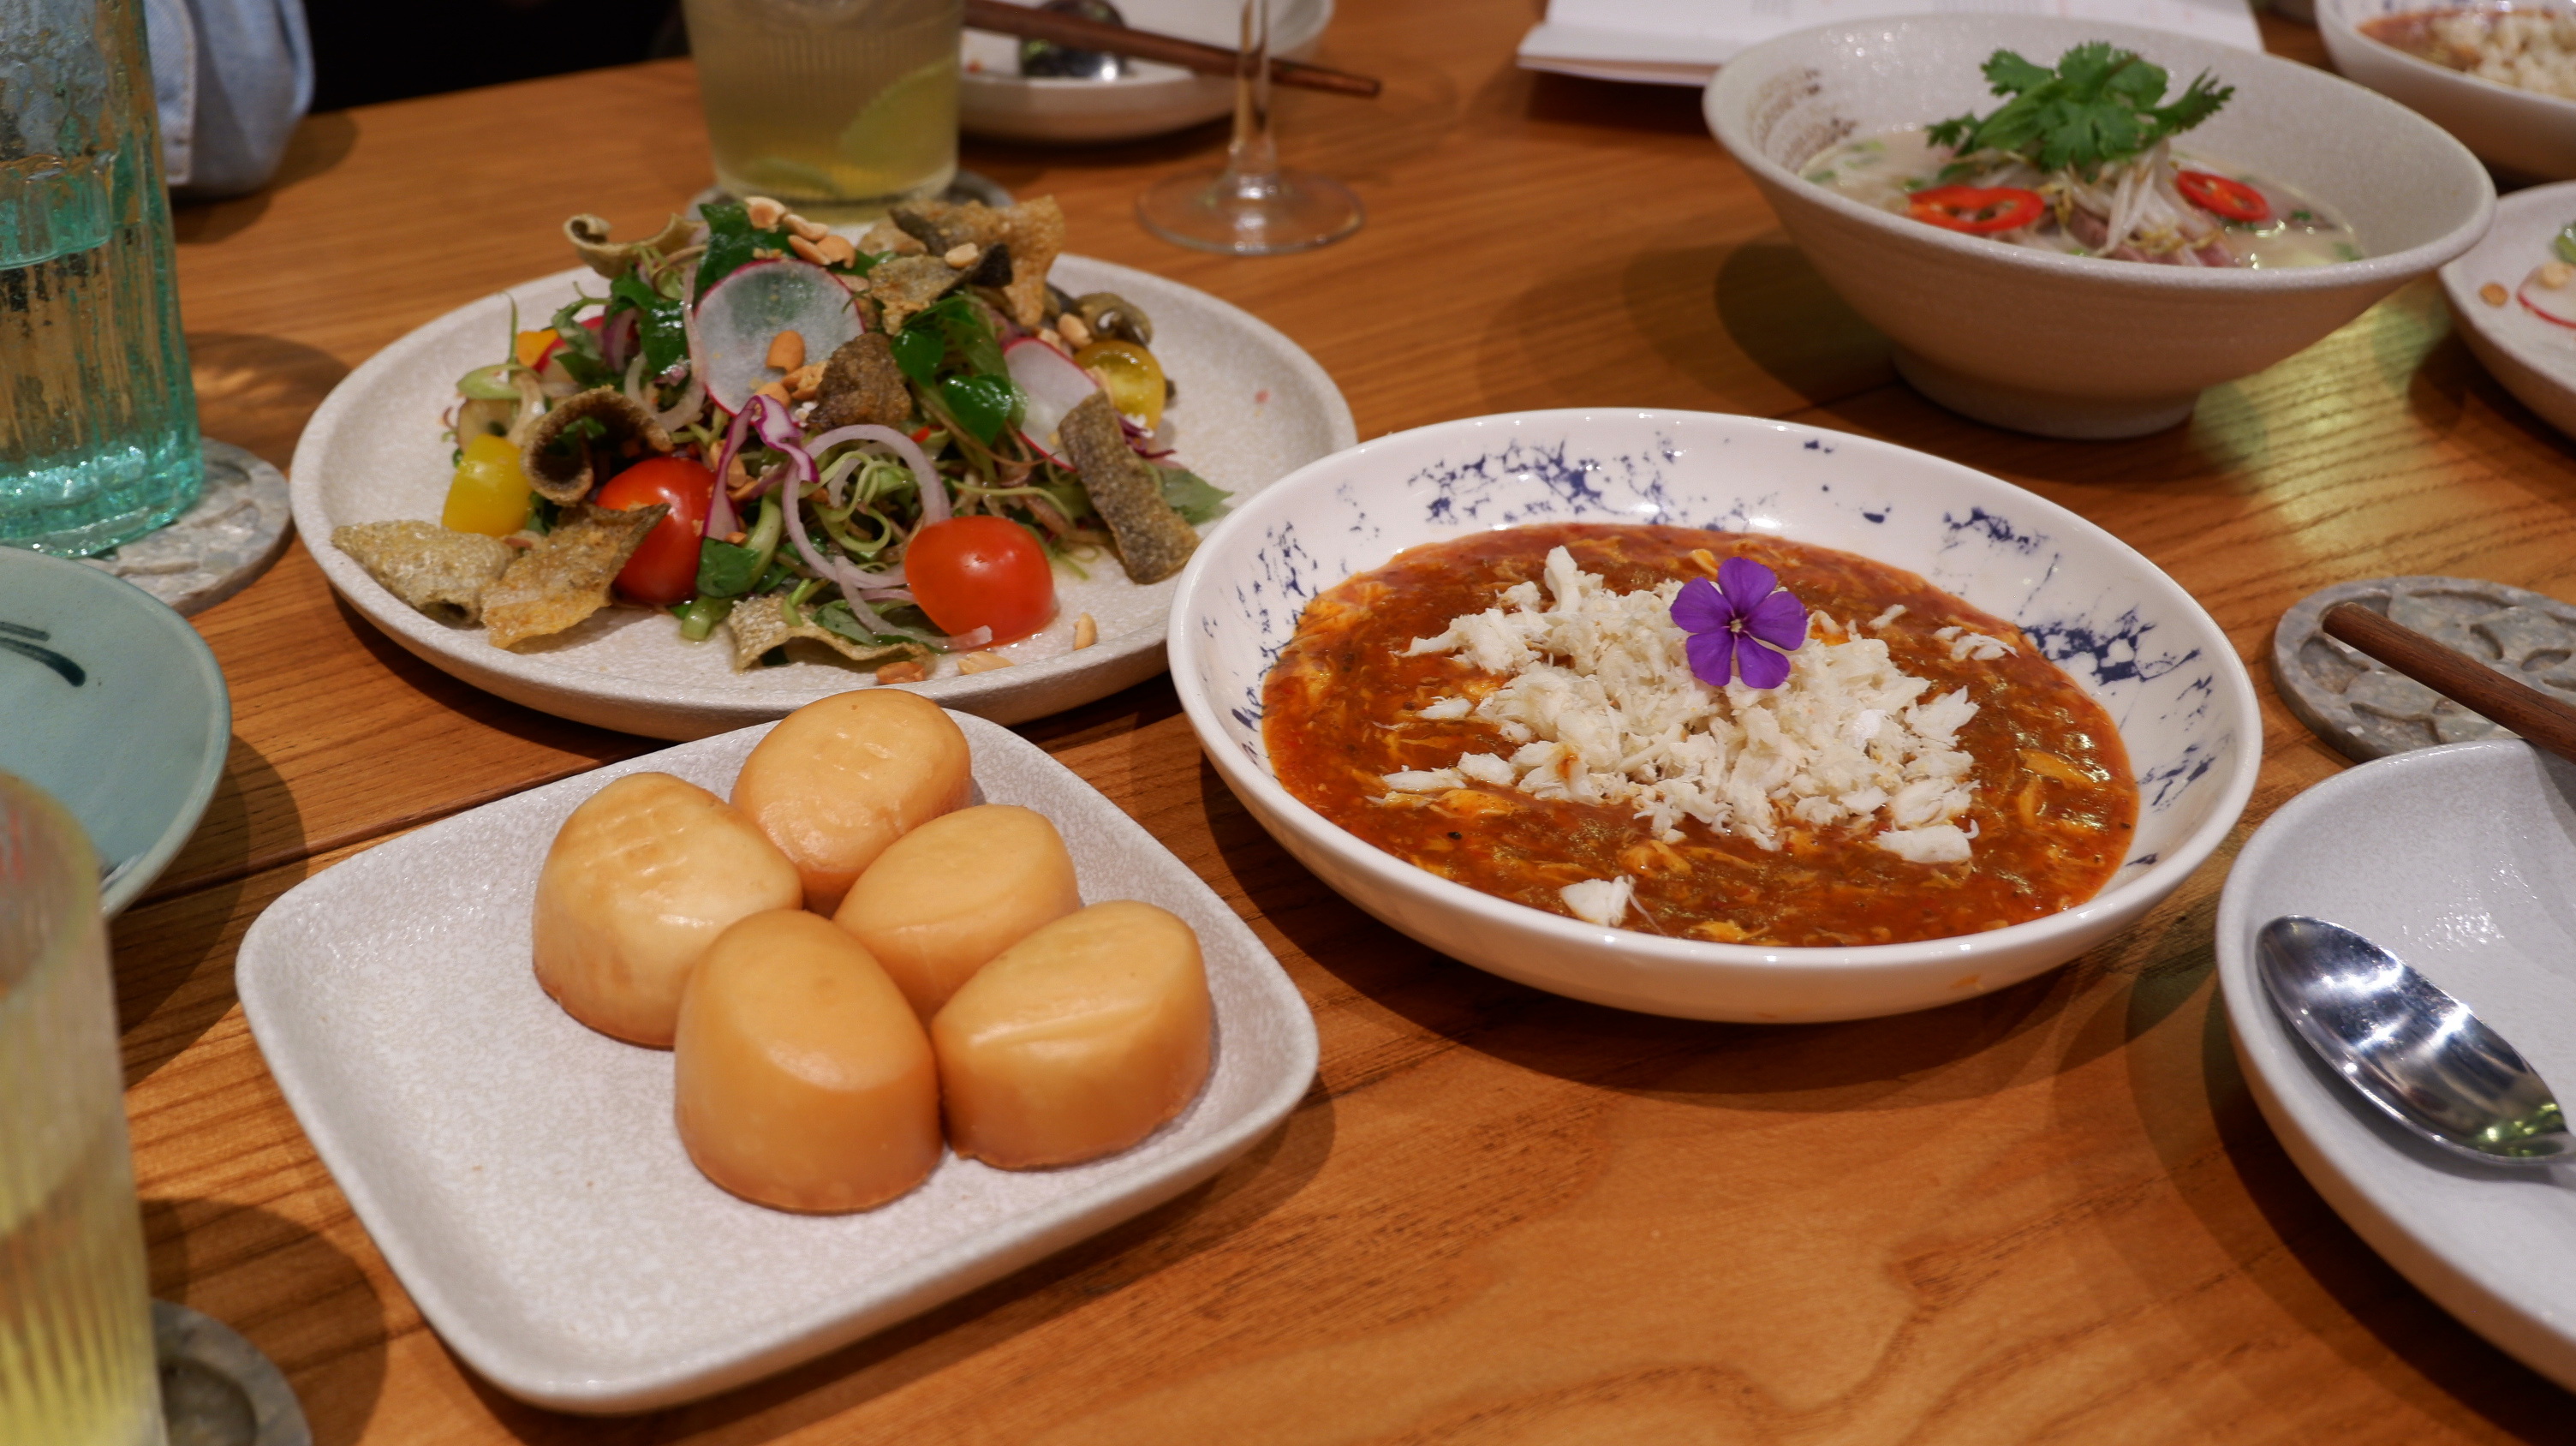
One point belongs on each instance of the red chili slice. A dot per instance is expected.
(2234, 200)
(1981, 210)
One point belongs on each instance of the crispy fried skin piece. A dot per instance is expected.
(565, 577)
(1035, 231)
(1153, 541)
(760, 624)
(559, 457)
(862, 386)
(942, 226)
(442, 573)
(612, 259)
(906, 284)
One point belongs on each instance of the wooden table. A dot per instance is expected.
(2049, 1214)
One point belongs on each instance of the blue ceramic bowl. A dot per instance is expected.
(114, 706)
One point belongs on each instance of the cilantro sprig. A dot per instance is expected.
(2097, 108)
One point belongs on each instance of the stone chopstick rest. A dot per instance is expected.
(2368, 711)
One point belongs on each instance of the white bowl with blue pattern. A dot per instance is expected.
(2158, 663)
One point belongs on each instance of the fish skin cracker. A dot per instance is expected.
(760, 624)
(566, 576)
(440, 572)
(1154, 541)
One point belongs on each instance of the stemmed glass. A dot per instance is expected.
(1250, 207)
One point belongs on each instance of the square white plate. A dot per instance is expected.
(521, 1172)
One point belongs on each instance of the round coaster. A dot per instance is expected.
(965, 186)
(217, 1389)
(2354, 702)
(215, 548)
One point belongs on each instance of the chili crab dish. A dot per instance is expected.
(1711, 716)
(1522, 711)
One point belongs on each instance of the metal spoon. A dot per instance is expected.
(2409, 1048)
(1064, 62)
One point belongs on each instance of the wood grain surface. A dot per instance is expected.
(2052, 1214)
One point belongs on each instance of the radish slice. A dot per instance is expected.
(2549, 304)
(1053, 385)
(746, 311)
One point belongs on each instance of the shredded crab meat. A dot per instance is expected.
(1597, 699)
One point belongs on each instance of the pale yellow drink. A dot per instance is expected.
(839, 108)
(76, 1365)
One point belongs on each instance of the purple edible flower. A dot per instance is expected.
(1745, 619)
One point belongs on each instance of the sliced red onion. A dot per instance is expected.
(617, 337)
(901, 596)
(934, 492)
(686, 409)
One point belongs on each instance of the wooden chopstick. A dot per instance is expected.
(1081, 33)
(2455, 675)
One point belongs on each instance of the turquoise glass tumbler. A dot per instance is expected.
(98, 419)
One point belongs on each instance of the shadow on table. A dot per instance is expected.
(291, 1292)
(172, 966)
(1573, 100)
(257, 392)
(1078, 1277)
(320, 143)
(2298, 1252)
(597, 745)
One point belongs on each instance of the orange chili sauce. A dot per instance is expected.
(2054, 810)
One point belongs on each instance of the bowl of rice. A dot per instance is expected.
(2165, 677)
(2501, 78)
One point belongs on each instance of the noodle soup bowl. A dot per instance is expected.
(2123, 630)
(2078, 346)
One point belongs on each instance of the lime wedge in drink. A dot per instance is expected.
(902, 138)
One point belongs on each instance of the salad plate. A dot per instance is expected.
(2535, 359)
(2461, 861)
(1251, 406)
(521, 1172)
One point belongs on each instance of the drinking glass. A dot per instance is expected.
(1250, 207)
(98, 419)
(76, 1360)
(840, 108)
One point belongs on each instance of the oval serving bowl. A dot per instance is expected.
(2075, 346)
(2515, 130)
(2535, 360)
(2128, 633)
(996, 101)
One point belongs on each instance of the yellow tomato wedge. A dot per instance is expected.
(1133, 379)
(490, 493)
(531, 347)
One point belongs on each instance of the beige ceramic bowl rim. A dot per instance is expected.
(2462, 293)
(1726, 101)
(1265, 795)
(2338, 14)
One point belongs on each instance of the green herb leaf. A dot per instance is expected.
(579, 433)
(543, 513)
(725, 569)
(983, 405)
(1198, 500)
(2098, 107)
(835, 616)
(918, 353)
(579, 354)
(731, 240)
(661, 328)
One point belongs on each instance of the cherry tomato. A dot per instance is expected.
(490, 493)
(1979, 210)
(981, 572)
(2234, 200)
(1133, 379)
(665, 569)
